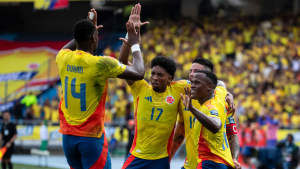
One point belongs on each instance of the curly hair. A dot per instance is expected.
(168, 64)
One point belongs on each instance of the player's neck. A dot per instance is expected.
(85, 47)
(204, 99)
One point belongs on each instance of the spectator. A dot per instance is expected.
(8, 136)
(18, 111)
(112, 144)
(289, 152)
(131, 131)
(273, 126)
(44, 135)
(29, 115)
(29, 100)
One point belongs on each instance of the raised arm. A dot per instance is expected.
(213, 124)
(137, 70)
(125, 49)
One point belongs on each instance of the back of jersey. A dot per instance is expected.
(84, 82)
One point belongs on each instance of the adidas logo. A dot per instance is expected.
(149, 98)
(186, 109)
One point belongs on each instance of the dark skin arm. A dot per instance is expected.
(137, 70)
(234, 146)
(213, 124)
(125, 49)
(178, 138)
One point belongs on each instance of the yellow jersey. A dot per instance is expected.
(213, 147)
(155, 117)
(189, 122)
(84, 83)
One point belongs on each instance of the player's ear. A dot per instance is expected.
(94, 39)
(170, 79)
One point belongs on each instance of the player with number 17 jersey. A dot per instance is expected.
(155, 117)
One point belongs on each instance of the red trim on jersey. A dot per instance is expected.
(128, 161)
(71, 167)
(170, 141)
(135, 123)
(205, 152)
(100, 163)
(231, 129)
(199, 166)
(92, 127)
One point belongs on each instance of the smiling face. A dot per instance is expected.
(194, 68)
(201, 86)
(160, 79)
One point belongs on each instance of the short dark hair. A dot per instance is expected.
(83, 29)
(168, 64)
(205, 62)
(211, 76)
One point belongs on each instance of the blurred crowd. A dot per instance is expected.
(257, 57)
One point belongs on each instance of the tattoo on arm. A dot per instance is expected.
(178, 138)
(234, 145)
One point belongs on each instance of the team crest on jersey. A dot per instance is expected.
(170, 100)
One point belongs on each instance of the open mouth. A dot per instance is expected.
(193, 92)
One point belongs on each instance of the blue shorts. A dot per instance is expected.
(86, 152)
(133, 162)
(207, 164)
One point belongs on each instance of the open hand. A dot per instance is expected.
(133, 37)
(94, 19)
(187, 98)
(135, 16)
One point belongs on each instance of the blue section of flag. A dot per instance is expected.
(17, 76)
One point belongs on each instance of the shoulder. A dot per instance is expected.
(63, 52)
(180, 84)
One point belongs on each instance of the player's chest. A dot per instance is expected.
(162, 108)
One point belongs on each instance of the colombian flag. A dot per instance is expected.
(2, 152)
(50, 4)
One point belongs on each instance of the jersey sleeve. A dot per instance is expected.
(109, 67)
(179, 85)
(221, 92)
(138, 87)
(180, 112)
(230, 125)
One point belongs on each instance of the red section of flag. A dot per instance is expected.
(61, 4)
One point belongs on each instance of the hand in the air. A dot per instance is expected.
(135, 16)
(94, 19)
(187, 98)
(133, 37)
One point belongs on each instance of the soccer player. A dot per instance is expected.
(84, 80)
(185, 125)
(210, 125)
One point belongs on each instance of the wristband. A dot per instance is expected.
(126, 37)
(135, 48)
